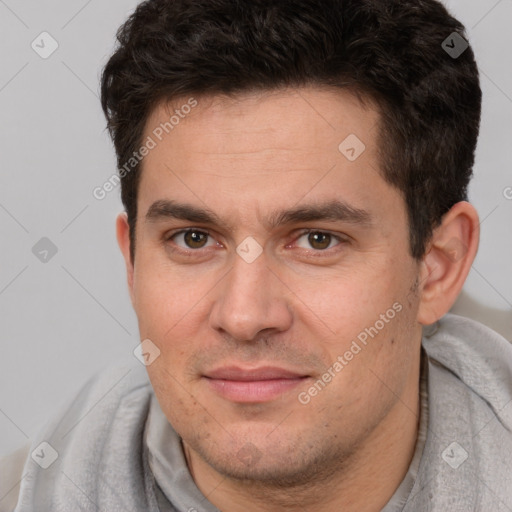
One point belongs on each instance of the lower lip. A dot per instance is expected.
(253, 391)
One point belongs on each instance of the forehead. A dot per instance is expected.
(294, 118)
(255, 151)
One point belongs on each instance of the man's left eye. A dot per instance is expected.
(318, 240)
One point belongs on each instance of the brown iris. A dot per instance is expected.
(319, 240)
(195, 239)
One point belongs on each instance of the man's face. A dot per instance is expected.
(246, 338)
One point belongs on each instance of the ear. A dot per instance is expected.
(448, 260)
(123, 240)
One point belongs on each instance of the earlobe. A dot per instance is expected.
(448, 260)
(123, 240)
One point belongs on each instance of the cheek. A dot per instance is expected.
(178, 405)
(345, 303)
(164, 301)
(371, 326)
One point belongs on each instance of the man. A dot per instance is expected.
(297, 228)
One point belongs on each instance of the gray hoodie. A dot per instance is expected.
(112, 449)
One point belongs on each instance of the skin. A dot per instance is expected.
(298, 305)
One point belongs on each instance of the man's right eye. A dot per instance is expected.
(191, 239)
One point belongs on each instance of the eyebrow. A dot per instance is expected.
(335, 210)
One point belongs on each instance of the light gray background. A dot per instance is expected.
(64, 319)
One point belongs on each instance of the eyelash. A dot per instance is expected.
(319, 252)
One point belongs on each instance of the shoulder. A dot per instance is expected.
(466, 460)
(100, 401)
(11, 471)
(480, 358)
(114, 383)
(78, 427)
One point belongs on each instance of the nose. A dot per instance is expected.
(250, 299)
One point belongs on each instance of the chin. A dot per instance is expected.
(272, 464)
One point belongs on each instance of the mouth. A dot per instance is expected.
(256, 385)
